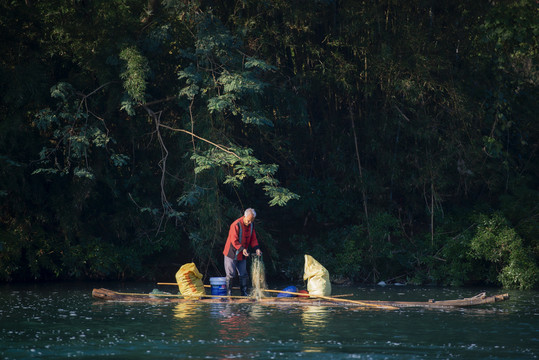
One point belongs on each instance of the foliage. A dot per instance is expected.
(133, 133)
(135, 73)
(499, 244)
(73, 136)
(229, 84)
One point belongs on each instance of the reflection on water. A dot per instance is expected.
(234, 329)
(52, 321)
(258, 311)
(230, 324)
(315, 320)
(233, 323)
(187, 319)
(185, 310)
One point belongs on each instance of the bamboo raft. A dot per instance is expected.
(479, 299)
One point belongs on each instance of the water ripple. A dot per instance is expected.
(56, 321)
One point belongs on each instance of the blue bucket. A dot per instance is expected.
(218, 285)
(289, 289)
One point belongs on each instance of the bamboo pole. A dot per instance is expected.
(336, 296)
(175, 284)
(329, 298)
(188, 297)
(236, 288)
(385, 307)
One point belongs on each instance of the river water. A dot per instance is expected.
(52, 321)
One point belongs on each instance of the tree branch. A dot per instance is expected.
(200, 138)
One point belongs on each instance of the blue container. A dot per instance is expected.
(218, 285)
(289, 289)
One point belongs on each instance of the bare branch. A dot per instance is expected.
(162, 164)
(402, 114)
(158, 101)
(220, 147)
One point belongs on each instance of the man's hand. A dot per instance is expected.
(245, 252)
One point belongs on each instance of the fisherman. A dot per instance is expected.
(241, 237)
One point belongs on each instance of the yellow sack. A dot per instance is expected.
(317, 276)
(189, 281)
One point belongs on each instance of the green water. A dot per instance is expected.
(52, 321)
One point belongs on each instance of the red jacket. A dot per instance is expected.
(234, 247)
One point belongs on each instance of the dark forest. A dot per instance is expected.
(391, 140)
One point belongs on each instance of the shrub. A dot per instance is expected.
(498, 243)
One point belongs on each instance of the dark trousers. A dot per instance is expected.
(233, 268)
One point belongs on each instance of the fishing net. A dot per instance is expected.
(258, 277)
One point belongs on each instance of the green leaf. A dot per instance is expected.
(190, 91)
(119, 159)
(221, 103)
(256, 118)
(241, 83)
(61, 91)
(45, 171)
(84, 173)
(100, 139)
(257, 63)
(45, 119)
(135, 72)
(191, 198)
(279, 195)
(150, 210)
(128, 106)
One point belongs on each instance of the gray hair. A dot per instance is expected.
(250, 211)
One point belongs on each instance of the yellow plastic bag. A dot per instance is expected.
(317, 276)
(189, 281)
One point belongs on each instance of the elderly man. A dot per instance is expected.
(241, 237)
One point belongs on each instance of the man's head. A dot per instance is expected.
(249, 216)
